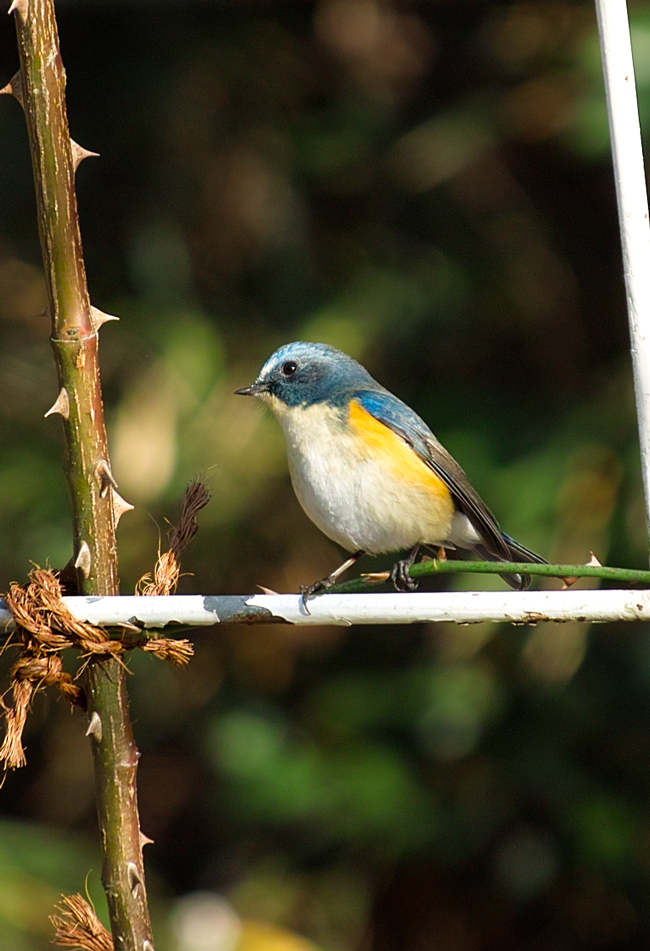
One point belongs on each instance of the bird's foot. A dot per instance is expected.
(401, 578)
(308, 591)
(401, 573)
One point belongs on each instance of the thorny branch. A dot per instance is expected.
(96, 506)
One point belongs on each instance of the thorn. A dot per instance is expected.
(95, 727)
(99, 317)
(593, 562)
(105, 478)
(145, 840)
(129, 628)
(376, 577)
(134, 876)
(147, 945)
(84, 559)
(62, 405)
(567, 582)
(14, 88)
(19, 6)
(79, 153)
(120, 506)
(266, 590)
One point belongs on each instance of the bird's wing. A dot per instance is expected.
(404, 422)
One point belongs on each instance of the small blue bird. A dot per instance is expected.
(368, 471)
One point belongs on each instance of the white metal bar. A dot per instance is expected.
(525, 607)
(629, 174)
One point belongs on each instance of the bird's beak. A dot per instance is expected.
(255, 389)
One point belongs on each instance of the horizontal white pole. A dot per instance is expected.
(518, 607)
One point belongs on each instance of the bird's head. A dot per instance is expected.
(301, 374)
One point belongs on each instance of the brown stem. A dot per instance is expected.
(41, 87)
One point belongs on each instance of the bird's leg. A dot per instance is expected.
(400, 575)
(309, 590)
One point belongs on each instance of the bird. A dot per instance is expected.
(369, 472)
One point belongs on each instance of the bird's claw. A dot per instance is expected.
(401, 578)
(308, 591)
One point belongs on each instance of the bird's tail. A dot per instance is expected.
(515, 552)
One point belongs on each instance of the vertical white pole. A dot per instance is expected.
(627, 154)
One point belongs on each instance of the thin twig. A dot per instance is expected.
(442, 566)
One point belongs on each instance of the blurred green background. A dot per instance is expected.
(427, 186)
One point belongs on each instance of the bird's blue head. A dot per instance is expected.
(301, 374)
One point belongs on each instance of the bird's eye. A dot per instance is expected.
(289, 368)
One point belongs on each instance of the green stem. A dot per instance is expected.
(41, 87)
(441, 567)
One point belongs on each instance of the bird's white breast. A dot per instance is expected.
(349, 493)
